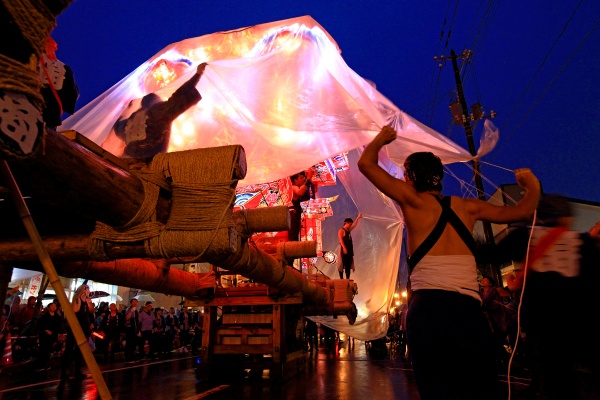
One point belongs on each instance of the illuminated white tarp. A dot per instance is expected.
(283, 91)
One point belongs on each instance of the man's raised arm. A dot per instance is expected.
(368, 164)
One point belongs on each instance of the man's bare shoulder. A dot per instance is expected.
(468, 209)
(467, 204)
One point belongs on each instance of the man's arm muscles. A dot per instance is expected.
(341, 240)
(521, 211)
(368, 164)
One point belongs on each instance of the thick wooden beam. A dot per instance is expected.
(67, 175)
(155, 276)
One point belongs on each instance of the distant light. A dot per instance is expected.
(329, 257)
(99, 335)
(404, 293)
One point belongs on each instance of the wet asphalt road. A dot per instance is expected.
(343, 371)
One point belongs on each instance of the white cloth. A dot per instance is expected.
(457, 273)
(283, 91)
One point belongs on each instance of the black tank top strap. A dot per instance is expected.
(461, 229)
(430, 240)
(447, 215)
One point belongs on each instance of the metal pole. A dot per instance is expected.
(44, 257)
(487, 226)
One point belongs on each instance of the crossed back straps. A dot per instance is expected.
(447, 216)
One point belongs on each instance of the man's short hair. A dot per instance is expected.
(349, 220)
(148, 303)
(426, 170)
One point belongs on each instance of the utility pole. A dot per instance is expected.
(461, 116)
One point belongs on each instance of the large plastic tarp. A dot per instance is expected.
(283, 91)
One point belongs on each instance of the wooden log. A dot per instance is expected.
(75, 247)
(263, 219)
(255, 264)
(67, 175)
(154, 276)
(78, 179)
(21, 252)
(249, 262)
(203, 195)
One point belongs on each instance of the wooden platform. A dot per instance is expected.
(251, 330)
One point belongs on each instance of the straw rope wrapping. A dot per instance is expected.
(17, 78)
(142, 226)
(34, 19)
(36, 22)
(201, 209)
(197, 208)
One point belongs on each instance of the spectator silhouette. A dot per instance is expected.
(132, 331)
(185, 324)
(158, 344)
(495, 301)
(49, 325)
(560, 263)
(146, 321)
(171, 328)
(84, 312)
(112, 326)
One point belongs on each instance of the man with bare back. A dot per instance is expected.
(448, 336)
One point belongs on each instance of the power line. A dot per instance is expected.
(437, 84)
(539, 98)
(541, 65)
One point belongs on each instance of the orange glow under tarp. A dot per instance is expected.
(283, 91)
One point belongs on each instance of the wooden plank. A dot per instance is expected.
(94, 148)
(243, 291)
(255, 318)
(246, 301)
(94, 189)
(243, 349)
(239, 330)
(278, 332)
(208, 337)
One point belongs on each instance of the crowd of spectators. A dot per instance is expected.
(39, 335)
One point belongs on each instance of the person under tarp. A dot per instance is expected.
(144, 128)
